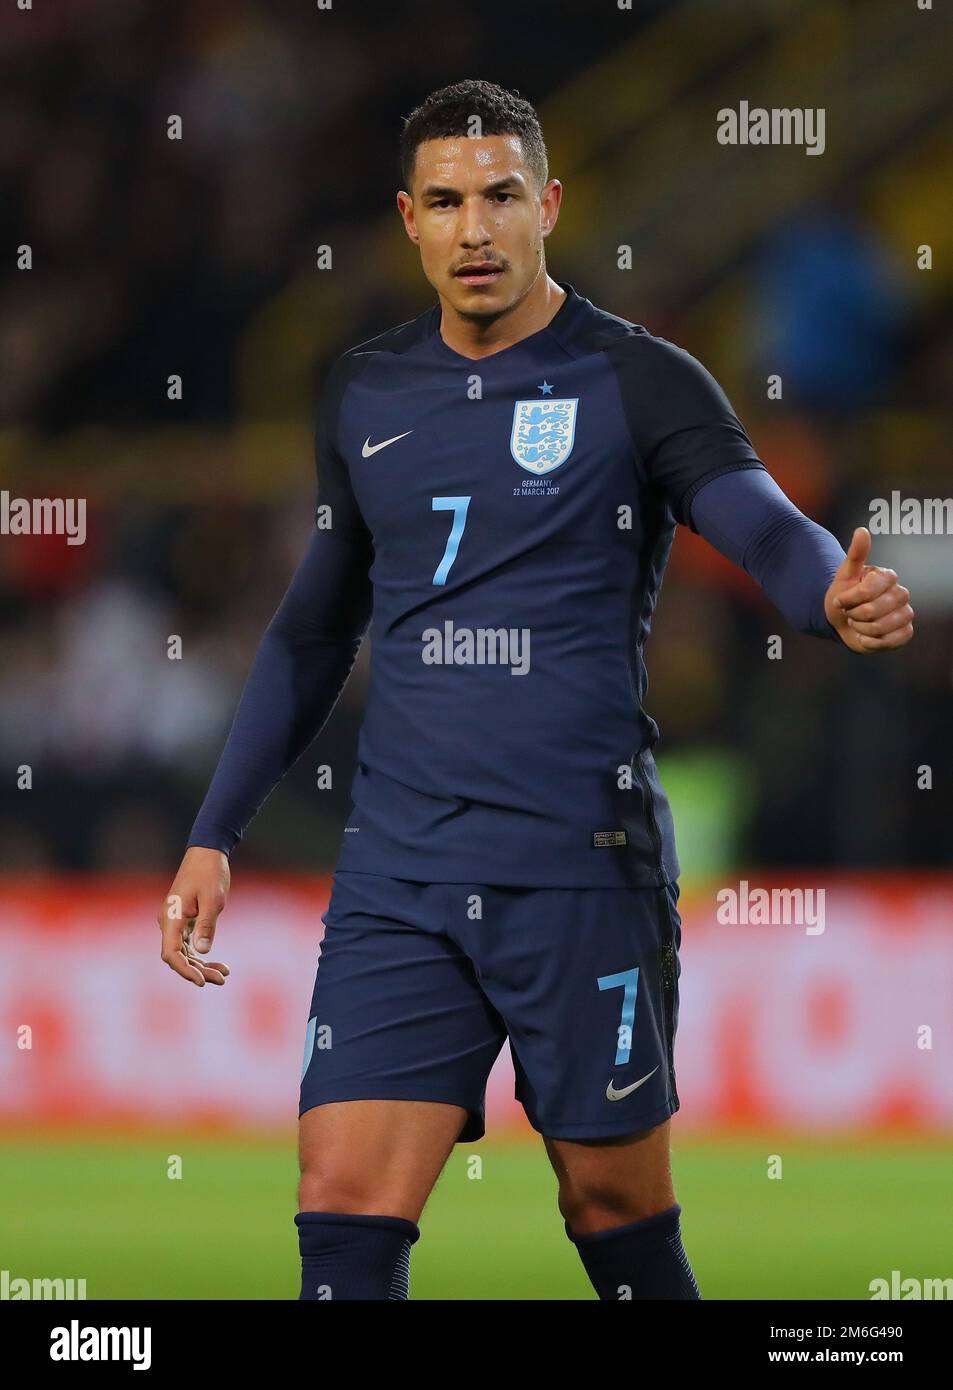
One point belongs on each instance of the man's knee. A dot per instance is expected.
(346, 1189)
(600, 1202)
(605, 1185)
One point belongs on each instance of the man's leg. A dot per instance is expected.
(367, 1168)
(586, 982)
(376, 1157)
(399, 1043)
(615, 1181)
(617, 1199)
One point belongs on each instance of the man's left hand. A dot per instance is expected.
(866, 605)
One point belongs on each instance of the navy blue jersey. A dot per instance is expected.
(503, 525)
(520, 509)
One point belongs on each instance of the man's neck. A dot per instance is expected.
(475, 337)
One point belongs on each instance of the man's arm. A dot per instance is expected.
(299, 670)
(692, 448)
(800, 565)
(747, 517)
(308, 648)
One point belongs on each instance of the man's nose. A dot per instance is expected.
(473, 230)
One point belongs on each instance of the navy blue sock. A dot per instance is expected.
(354, 1257)
(643, 1260)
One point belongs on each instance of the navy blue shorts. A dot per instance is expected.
(419, 985)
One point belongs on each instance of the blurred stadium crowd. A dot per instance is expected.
(199, 257)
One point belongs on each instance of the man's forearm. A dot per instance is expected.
(747, 517)
(299, 670)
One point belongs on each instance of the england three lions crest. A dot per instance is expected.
(543, 433)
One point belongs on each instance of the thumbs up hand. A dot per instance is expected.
(866, 605)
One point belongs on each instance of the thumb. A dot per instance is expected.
(852, 566)
(204, 930)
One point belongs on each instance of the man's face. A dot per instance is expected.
(479, 220)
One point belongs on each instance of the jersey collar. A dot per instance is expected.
(559, 326)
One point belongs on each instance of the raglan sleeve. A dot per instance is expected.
(336, 507)
(305, 654)
(681, 422)
(695, 451)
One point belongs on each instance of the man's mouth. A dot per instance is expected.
(479, 273)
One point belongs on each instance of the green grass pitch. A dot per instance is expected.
(844, 1212)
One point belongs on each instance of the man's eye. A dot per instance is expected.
(503, 197)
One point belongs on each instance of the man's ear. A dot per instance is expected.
(550, 200)
(405, 206)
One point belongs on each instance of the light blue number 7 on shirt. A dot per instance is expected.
(457, 505)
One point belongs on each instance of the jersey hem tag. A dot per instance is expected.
(606, 839)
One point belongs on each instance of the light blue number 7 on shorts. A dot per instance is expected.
(628, 981)
(308, 1046)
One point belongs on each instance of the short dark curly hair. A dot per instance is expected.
(450, 111)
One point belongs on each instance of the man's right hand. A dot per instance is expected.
(188, 915)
